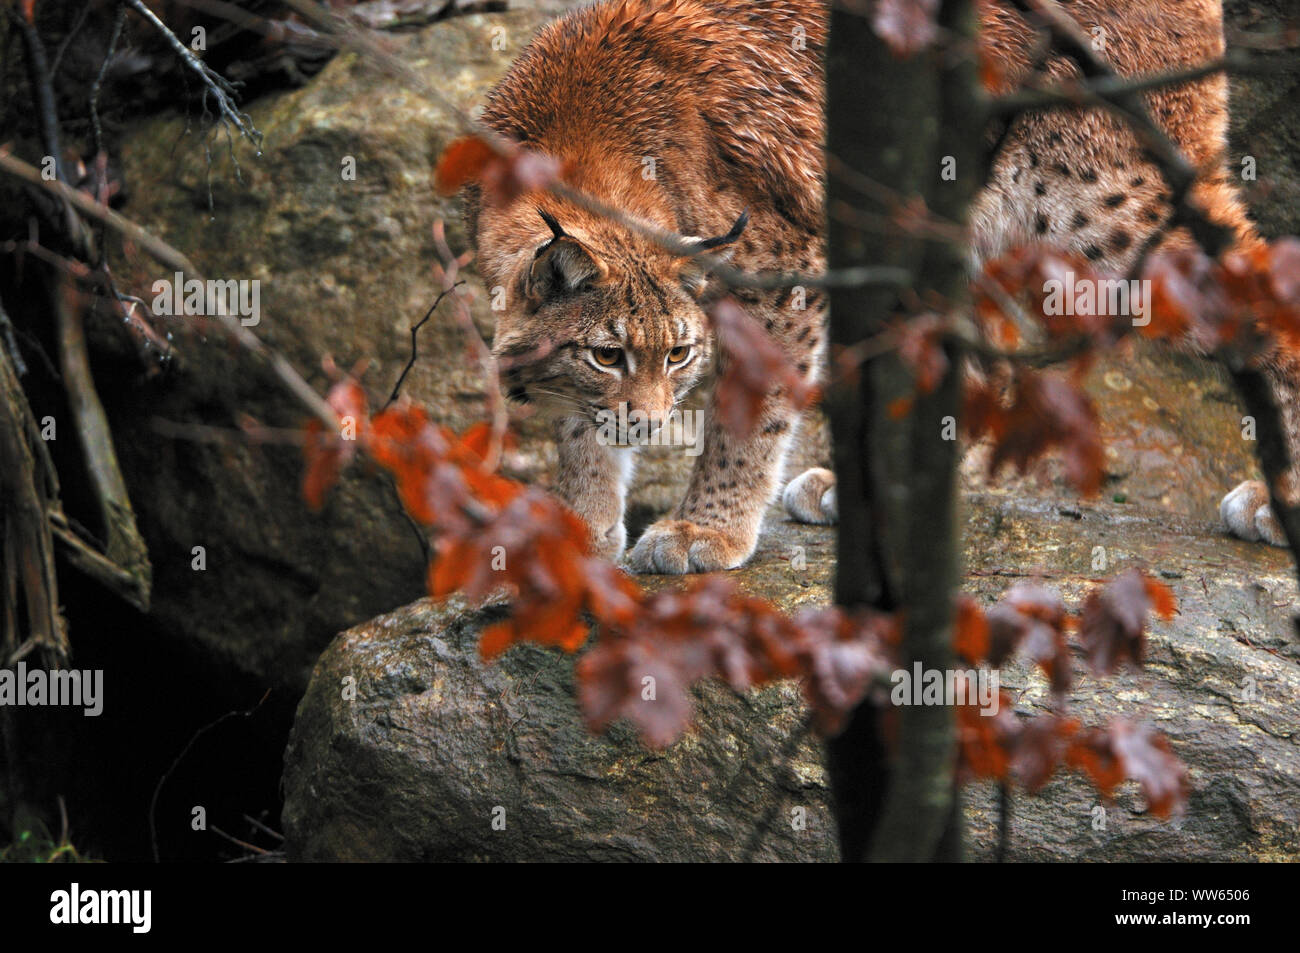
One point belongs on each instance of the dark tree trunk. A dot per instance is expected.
(892, 121)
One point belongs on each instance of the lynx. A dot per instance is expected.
(704, 118)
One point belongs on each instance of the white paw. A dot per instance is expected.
(1247, 514)
(810, 497)
(677, 547)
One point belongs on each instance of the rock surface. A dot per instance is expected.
(434, 740)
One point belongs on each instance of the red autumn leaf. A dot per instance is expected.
(1135, 752)
(1092, 753)
(478, 440)
(906, 26)
(613, 598)
(1163, 601)
(1047, 412)
(464, 160)
(496, 638)
(453, 562)
(712, 630)
(559, 624)
(982, 740)
(323, 465)
(1113, 624)
(504, 176)
(1039, 748)
(1263, 284)
(753, 368)
(1148, 759)
(1031, 620)
(1185, 296)
(971, 631)
(631, 680)
(840, 656)
(1062, 292)
(327, 453)
(920, 346)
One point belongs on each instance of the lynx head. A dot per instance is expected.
(598, 317)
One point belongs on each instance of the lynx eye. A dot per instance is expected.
(679, 354)
(607, 356)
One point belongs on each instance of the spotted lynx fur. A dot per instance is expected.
(691, 113)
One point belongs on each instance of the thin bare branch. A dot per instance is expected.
(221, 90)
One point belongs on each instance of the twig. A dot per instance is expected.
(235, 840)
(415, 330)
(27, 573)
(123, 543)
(38, 74)
(1114, 90)
(118, 20)
(47, 115)
(104, 571)
(101, 277)
(63, 47)
(263, 828)
(229, 436)
(218, 87)
(83, 203)
(153, 801)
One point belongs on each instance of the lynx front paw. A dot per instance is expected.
(810, 497)
(680, 546)
(1246, 513)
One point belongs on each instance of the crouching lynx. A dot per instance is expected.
(703, 118)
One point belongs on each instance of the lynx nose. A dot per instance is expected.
(655, 419)
(660, 410)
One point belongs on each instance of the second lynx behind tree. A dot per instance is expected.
(703, 118)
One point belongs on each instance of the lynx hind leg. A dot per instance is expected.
(1247, 514)
(810, 497)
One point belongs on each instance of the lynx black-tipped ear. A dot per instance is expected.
(708, 244)
(551, 223)
(694, 274)
(562, 265)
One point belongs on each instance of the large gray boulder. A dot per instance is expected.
(406, 742)
(439, 749)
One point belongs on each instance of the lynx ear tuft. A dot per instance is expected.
(694, 274)
(721, 241)
(551, 223)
